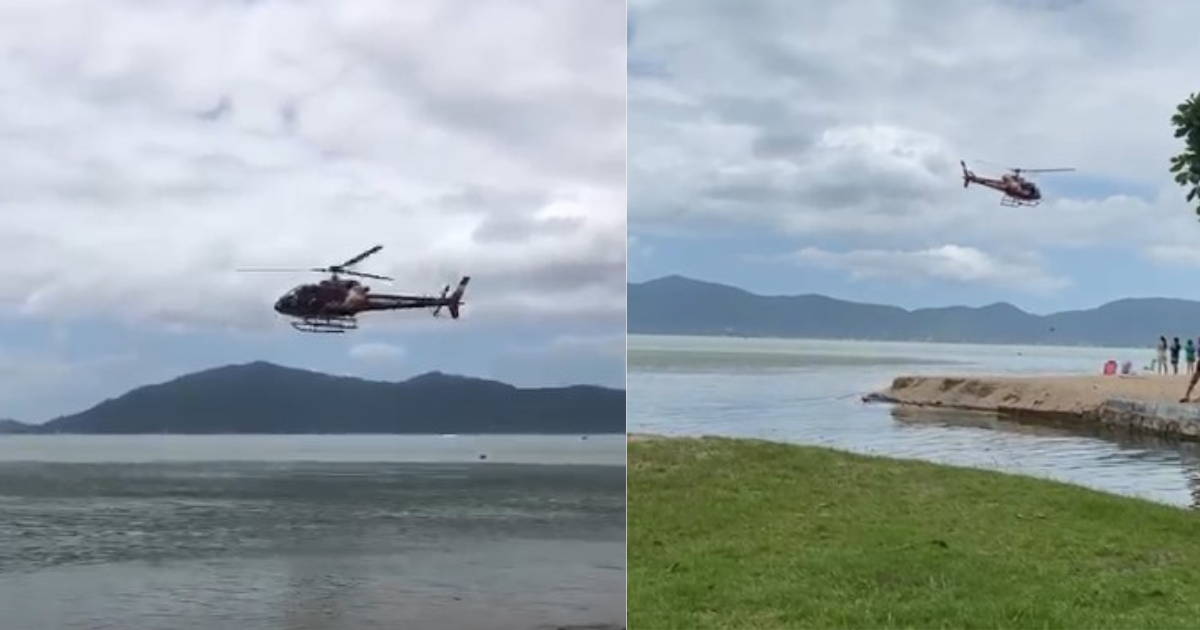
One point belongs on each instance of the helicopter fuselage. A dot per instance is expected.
(1011, 185)
(329, 298)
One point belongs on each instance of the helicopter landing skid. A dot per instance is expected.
(1011, 202)
(332, 325)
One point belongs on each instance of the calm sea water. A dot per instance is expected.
(311, 532)
(808, 392)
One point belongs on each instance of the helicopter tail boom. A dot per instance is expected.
(450, 301)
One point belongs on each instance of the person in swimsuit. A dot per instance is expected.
(1160, 363)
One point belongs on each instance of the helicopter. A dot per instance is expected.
(1017, 190)
(332, 305)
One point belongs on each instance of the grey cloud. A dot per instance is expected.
(735, 134)
(485, 120)
(568, 275)
(515, 229)
(586, 110)
(223, 108)
(475, 199)
(781, 144)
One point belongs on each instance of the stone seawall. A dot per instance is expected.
(1163, 418)
(1139, 403)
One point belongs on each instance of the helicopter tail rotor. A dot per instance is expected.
(456, 297)
(442, 299)
(454, 300)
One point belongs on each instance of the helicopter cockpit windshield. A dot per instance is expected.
(290, 300)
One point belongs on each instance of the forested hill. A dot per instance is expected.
(675, 305)
(266, 398)
(13, 426)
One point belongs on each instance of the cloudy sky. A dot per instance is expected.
(794, 147)
(149, 149)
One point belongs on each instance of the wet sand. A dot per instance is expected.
(1053, 395)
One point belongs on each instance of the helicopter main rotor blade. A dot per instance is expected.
(359, 258)
(332, 269)
(366, 275)
(272, 269)
(1017, 170)
(339, 271)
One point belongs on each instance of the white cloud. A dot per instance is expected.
(608, 345)
(847, 121)
(148, 150)
(376, 351)
(1175, 255)
(951, 263)
(35, 381)
(570, 359)
(635, 248)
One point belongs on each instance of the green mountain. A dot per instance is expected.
(676, 305)
(13, 426)
(266, 398)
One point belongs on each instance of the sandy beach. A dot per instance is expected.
(1070, 395)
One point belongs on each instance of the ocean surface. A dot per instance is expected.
(311, 532)
(808, 392)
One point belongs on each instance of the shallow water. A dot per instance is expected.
(808, 392)
(515, 449)
(188, 536)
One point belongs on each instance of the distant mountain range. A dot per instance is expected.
(676, 305)
(266, 398)
(8, 425)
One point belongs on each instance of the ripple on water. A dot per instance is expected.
(340, 545)
(813, 401)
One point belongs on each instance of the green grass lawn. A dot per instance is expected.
(746, 534)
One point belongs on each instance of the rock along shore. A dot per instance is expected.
(1142, 403)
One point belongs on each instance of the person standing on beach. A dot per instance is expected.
(1161, 364)
(1191, 385)
(1189, 355)
(1175, 348)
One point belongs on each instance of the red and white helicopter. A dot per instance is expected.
(1017, 190)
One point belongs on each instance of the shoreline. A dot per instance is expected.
(1145, 403)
